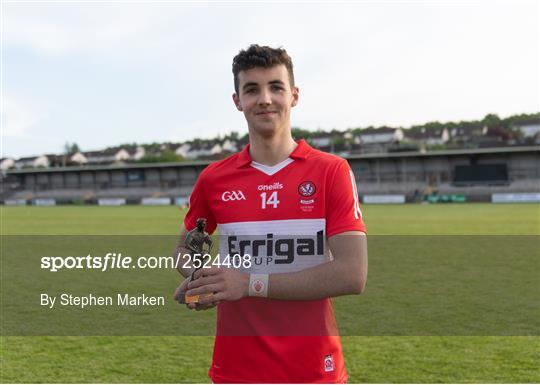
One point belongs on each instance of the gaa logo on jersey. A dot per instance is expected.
(328, 363)
(233, 196)
(306, 189)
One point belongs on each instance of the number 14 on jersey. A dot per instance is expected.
(271, 201)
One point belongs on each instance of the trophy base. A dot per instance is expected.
(196, 298)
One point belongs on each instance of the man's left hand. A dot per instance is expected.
(225, 284)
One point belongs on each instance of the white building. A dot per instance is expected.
(138, 153)
(229, 145)
(529, 130)
(7, 163)
(78, 158)
(380, 135)
(32, 162)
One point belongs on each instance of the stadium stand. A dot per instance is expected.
(412, 174)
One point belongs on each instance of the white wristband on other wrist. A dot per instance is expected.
(258, 285)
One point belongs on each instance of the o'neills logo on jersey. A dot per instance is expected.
(306, 189)
(233, 196)
(270, 187)
(276, 251)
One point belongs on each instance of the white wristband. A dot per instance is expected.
(258, 285)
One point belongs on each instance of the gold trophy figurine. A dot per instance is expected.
(196, 239)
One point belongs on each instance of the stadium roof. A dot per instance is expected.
(110, 167)
(466, 151)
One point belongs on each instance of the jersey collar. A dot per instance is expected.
(300, 152)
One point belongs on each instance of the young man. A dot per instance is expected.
(294, 210)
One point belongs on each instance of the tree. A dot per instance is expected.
(232, 136)
(166, 156)
(70, 149)
(491, 120)
(300, 133)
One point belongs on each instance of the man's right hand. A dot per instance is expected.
(180, 297)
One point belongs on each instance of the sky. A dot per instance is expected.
(104, 73)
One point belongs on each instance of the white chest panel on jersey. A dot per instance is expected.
(276, 246)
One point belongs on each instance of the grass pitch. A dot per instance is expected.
(172, 359)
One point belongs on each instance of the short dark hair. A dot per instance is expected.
(261, 56)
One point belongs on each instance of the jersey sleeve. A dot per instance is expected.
(343, 211)
(199, 207)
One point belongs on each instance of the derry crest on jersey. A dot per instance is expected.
(307, 190)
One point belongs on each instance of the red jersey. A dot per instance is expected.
(280, 217)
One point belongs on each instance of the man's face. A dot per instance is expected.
(266, 97)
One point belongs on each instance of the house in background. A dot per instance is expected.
(464, 136)
(322, 142)
(203, 150)
(216, 149)
(495, 137)
(378, 139)
(229, 146)
(136, 153)
(181, 149)
(425, 138)
(530, 131)
(32, 162)
(108, 156)
(333, 141)
(7, 163)
(78, 158)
